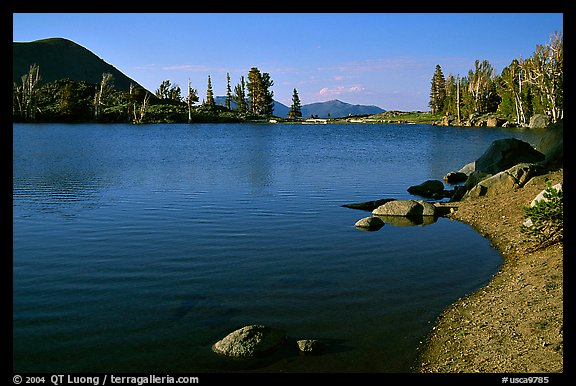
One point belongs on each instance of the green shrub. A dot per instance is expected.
(546, 217)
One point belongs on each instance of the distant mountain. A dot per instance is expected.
(337, 109)
(280, 110)
(60, 58)
(333, 108)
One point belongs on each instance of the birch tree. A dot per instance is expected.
(103, 91)
(513, 87)
(138, 102)
(482, 87)
(25, 96)
(544, 70)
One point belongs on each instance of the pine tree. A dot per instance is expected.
(267, 95)
(450, 97)
(191, 99)
(209, 94)
(163, 91)
(228, 91)
(437, 91)
(239, 97)
(259, 93)
(296, 108)
(254, 86)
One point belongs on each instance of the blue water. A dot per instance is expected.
(138, 247)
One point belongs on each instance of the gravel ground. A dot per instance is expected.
(515, 323)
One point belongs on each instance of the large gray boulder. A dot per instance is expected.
(250, 341)
(505, 153)
(552, 145)
(505, 181)
(405, 208)
(468, 168)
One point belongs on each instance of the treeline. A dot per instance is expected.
(524, 88)
(66, 100)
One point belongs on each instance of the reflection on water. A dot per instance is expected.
(402, 221)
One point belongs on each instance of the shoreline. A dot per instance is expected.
(513, 324)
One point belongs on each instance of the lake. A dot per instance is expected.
(136, 247)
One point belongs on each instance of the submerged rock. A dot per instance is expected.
(250, 341)
(455, 177)
(369, 223)
(428, 188)
(368, 205)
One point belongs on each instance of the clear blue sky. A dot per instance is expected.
(378, 59)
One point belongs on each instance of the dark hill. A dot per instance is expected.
(60, 58)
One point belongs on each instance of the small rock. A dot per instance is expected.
(310, 346)
(250, 341)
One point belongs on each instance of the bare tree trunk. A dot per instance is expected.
(30, 86)
(519, 97)
(143, 108)
(101, 93)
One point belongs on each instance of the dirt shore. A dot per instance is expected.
(515, 323)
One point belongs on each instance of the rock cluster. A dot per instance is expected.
(537, 121)
(508, 164)
(258, 340)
